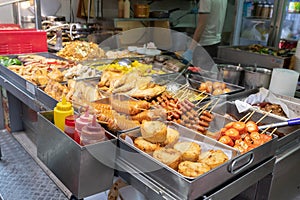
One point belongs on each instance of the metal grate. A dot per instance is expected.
(21, 177)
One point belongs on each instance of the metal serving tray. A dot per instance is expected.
(234, 88)
(19, 80)
(286, 134)
(176, 185)
(239, 55)
(84, 170)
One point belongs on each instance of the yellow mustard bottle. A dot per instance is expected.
(61, 111)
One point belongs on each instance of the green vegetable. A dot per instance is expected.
(7, 61)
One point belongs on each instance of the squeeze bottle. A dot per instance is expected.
(126, 9)
(80, 122)
(61, 111)
(92, 133)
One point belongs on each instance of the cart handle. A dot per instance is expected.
(246, 158)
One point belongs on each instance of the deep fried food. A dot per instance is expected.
(170, 157)
(172, 137)
(213, 158)
(145, 146)
(154, 131)
(192, 169)
(190, 150)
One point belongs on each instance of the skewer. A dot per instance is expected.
(214, 105)
(181, 88)
(201, 100)
(244, 117)
(250, 116)
(275, 129)
(266, 129)
(102, 122)
(266, 114)
(204, 108)
(183, 94)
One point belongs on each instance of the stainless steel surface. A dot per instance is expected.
(233, 88)
(28, 21)
(230, 53)
(230, 73)
(285, 134)
(177, 185)
(286, 174)
(234, 188)
(84, 170)
(257, 77)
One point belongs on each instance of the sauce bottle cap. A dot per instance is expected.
(64, 105)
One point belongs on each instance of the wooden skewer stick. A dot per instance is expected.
(250, 116)
(204, 108)
(275, 129)
(244, 117)
(184, 87)
(183, 94)
(265, 129)
(201, 100)
(214, 105)
(266, 114)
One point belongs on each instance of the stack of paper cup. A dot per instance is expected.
(297, 58)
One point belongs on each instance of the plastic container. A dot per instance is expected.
(127, 9)
(120, 8)
(61, 111)
(70, 125)
(80, 122)
(92, 133)
(23, 41)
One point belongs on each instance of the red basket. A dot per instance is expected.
(23, 41)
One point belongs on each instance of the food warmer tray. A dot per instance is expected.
(240, 55)
(286, 134)
(234, 88)
(84, 170)
(19, 80)
(179, 187)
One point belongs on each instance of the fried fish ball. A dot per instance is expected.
(145, 146)
(170, 157)
(190, 150)
(213, 158)
(192, 169)
(172, 137)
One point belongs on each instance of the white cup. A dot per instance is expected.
(284, 81)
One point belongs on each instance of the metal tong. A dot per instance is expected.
(290, 122)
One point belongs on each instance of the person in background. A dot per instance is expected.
(207, 35)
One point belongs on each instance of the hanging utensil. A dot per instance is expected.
(290, 122)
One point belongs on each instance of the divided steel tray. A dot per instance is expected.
(180, 187)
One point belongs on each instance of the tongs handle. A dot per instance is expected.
(290, 122)
(293, 122)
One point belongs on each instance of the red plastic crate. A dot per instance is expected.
(23, 41)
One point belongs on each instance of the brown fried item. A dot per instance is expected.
(192, 169)
(172, 137)
(145, 146)
(213, 158)
(190, 150)
(170, 157)
(154, 131)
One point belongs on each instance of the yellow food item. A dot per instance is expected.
(170, 157)
(213, 158)
(192, 169)
(145, 146)
(190, 150)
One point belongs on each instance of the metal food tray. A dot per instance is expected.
(240, 55)
(286, 134)
(19, 80)
(181, 187)
(234, 88)
(107, 100)
(84, 170)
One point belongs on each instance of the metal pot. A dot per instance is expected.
(230, 73)
(257, 77)
(162, 13)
